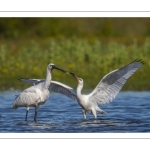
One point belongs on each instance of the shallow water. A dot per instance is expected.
(128, 113)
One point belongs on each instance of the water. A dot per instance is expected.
(128, 113)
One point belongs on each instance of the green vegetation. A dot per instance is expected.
(90, 48)
(89, 60)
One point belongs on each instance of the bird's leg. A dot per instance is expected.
(36, 110)
(84, 113)
(94, 113)
(27, 109)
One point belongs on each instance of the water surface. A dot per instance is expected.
(129, 112)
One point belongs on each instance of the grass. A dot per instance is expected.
(89, 59)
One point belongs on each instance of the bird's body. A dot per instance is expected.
(106, 90)
(36, 95)
(84, 101)
(32, 96)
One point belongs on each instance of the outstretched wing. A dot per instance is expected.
(32, 81)
(61, 88)
(55, 86)
(111, 84)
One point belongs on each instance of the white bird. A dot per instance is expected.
(55, 86)
(106, 90)
(35, 95)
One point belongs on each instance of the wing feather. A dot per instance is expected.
(55, 86)
(111, 84)
(32, 81)
(61, 88)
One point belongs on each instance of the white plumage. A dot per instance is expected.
(35, 95)
(106, 90)
(55, 86)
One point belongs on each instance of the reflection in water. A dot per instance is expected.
(129, 112)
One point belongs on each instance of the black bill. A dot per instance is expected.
(54, 67)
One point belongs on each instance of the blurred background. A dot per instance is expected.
(89, 47)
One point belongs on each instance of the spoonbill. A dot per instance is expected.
(106, 90)
(35, 95)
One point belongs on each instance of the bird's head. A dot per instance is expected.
(51, 66)
(80, 80)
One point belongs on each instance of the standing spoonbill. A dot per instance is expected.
(35, 95)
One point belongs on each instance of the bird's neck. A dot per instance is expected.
(48, 79)
(79, 89)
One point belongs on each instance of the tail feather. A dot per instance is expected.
(100, 111)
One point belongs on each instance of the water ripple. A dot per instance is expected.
(128, 113)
